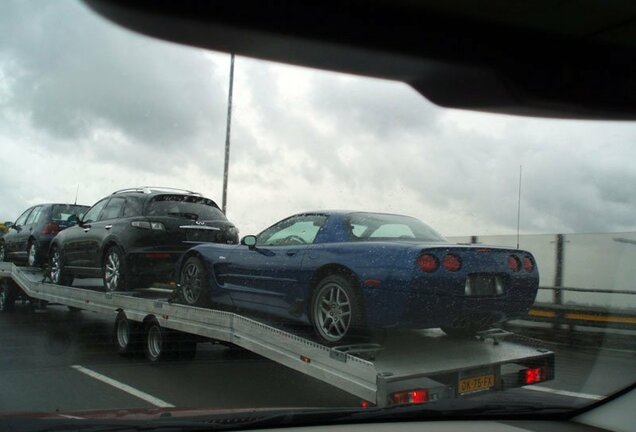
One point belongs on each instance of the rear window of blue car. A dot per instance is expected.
(377, 226)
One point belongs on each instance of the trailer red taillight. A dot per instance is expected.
(513, 263)
(534, 375)
(452, 263)
(51, 229)
(528, 264)
(417, 396)
(428, 263)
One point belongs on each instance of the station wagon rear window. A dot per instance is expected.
(186, 206)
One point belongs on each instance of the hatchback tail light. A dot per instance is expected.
(51, 229)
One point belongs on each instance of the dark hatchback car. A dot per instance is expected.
(134, 237)
(28, 239)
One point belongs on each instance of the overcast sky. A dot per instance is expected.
(85, 102)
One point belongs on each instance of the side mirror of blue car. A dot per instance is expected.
(249, 241)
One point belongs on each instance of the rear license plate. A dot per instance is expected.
(483, 285)
(476, 384)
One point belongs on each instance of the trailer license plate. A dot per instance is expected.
(475, 384)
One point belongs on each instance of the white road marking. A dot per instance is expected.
(564, 392)
(123, 387)
(68, 416)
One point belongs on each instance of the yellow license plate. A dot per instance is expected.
(475, 384)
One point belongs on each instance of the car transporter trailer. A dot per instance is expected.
(411, 367)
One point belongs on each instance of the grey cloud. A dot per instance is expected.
(72, 72)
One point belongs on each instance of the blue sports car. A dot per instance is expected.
(344, 272)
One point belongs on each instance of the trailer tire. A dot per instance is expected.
(193, 284)
(7, 296)
(157, 343)
(127, 336)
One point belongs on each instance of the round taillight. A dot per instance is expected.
(451, 263)
(528, 265)
(513, 263)
(427, 263)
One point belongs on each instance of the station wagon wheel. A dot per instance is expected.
(57, 274)
(193, 285)
(335, 309)
(113, 269)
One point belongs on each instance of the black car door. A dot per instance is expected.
(15, 236)
(98, 232)
(77, 246)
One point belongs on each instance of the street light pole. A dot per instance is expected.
(227, 134)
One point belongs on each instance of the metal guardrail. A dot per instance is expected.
(582, 315)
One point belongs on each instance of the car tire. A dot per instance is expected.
(114, 272)
(336, 310)
(57, 274)
(193, 288)
(33, 258)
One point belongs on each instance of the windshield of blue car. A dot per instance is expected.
(61, 212)
(254, 235)
(373, 226)
(184, 206)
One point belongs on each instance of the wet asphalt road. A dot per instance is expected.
(41, 353)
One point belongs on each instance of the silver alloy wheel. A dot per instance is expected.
(123, 333)
(332, 312)
(32, 253)
(154, 342)
(112, 271)
(55, 271)
(191, 283)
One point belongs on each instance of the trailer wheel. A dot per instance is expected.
(126, 335)
(7, 296)
(193, 286)
(157, 342)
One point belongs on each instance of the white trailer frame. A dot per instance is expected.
(409, 360)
